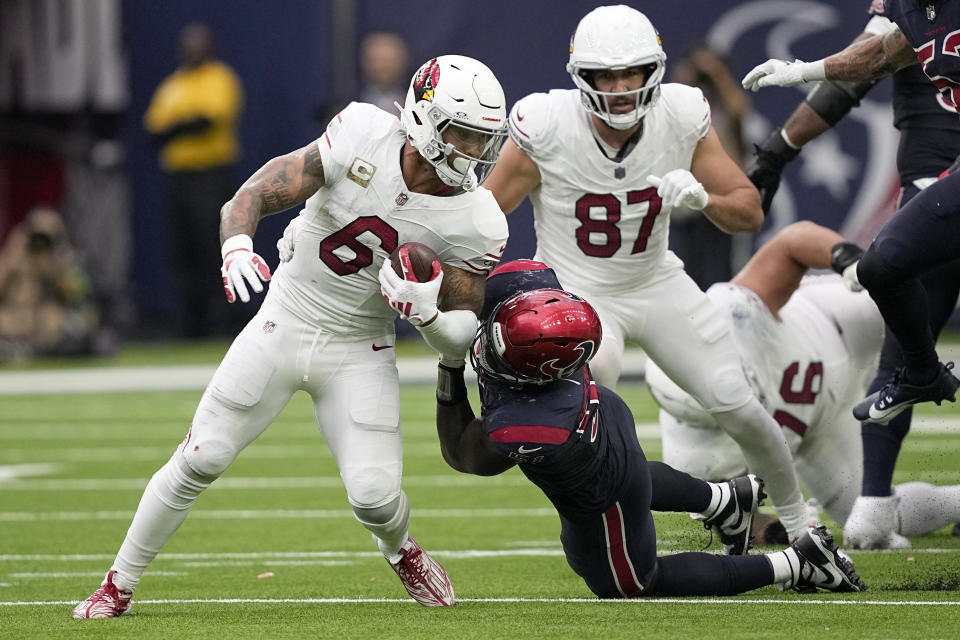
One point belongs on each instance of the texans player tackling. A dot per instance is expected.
(925, 234)
(604, 164)
(371, 182)
(576, 440)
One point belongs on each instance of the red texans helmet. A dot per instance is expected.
(536, 337)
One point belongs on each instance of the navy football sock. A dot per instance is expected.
(707, 574)
(677, 491)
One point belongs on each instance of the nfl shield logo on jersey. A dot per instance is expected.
(619, 173)
(402, 199)
(269, 326)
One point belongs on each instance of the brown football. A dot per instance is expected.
(421, 259)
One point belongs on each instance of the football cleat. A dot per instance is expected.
(872, 524)
(823, 565)
(895, 396)
(106, 602)
(422, 576)
(733, 523)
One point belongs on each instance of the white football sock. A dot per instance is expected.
(719, 497)
(786, 567)
(768, 456)
(164, 506)
(925, 507)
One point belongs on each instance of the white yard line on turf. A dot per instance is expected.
(277, 556)
(638, 601)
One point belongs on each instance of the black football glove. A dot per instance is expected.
(769, 160)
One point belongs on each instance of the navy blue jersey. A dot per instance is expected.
(933, 28)
(573, 439)
(930, 129)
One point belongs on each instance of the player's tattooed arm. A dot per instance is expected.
(283, 182)
(871, 58)
(461, 290)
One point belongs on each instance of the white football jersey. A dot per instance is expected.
(599, 222)
(361, 214)
(809, 367)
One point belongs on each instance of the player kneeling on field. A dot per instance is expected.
(577, 442)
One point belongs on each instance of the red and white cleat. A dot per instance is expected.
(106, 602)
(422, 576)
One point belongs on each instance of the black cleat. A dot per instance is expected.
(883, 406)
(823, 565)
(733, 523)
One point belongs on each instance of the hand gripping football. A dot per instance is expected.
(413, 261)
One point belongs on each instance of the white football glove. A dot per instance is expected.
(850, 278)
(289, 238)
(780, 73)
(416, 301)
(239, 263)
(678, 188)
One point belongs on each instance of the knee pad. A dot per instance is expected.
(208, 458)
(728, 389)
(371, 487)
(388, 523)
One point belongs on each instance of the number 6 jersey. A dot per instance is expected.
(599, 222)
(361, 214)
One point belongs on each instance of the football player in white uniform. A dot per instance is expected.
(371, 182)
(604, 165)
(810, 347)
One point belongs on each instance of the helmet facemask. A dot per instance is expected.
(598, 102)
(458, 124)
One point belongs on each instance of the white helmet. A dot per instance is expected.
(462, 95)
(616, 37)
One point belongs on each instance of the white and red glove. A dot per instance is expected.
(239, 263)
(780, 73)
(678, 188)
(416, 301)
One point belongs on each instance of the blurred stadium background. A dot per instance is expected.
(76, 77)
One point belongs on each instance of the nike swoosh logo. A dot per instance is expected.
(377, 347)
(521, 449)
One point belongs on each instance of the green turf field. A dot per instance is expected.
(280, 512)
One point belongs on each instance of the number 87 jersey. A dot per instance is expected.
(361, 214)
(599, 223)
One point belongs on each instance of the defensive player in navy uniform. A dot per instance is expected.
(576, 440)
(929, 143)
(925, 233)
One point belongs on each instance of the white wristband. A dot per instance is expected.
(813, 71)
(240, 241)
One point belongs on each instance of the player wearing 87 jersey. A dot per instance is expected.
(604, 165)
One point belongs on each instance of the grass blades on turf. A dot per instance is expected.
(272, 549)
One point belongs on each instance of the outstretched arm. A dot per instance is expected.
(775, 270)
(871, 58)
(462, 441)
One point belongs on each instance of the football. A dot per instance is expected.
(420, 258)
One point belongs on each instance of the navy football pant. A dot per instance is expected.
(615, 552)
(881, 443)
(923, 236)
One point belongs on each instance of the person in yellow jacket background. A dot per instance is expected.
(193, 117)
